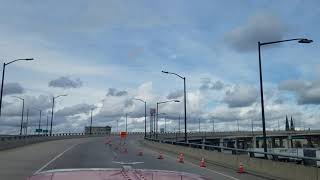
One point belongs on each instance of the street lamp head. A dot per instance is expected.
(176, 101)
(165, 72)
(305, 41)
(29, 59)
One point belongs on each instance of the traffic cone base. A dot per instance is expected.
(202, 163)
(181, 158)
(241, 168)
(160, 156)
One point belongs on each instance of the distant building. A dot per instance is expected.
(98, 130)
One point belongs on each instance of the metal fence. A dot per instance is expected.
(310, 161)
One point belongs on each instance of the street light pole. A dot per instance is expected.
(157, 113)
(185, 102)
(26, 128)
(145, 115)
(126, 122)
(300, 40)
(91, 121)
(39, 122)
(53, 101)
(179, 125)
(3, 72)
(47, 124)
(21, 124)
(213, 125)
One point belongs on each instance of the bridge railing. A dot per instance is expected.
(11, 141)
(251, 153)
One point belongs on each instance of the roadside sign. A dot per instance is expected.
(123, 134)
(45, 131)
(38, 130)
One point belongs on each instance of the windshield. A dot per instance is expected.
(159, 89)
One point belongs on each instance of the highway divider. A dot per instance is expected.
(267, 168)
(10, 141)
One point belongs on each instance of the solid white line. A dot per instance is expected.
(114, 153)
(225, 175)
(55, 158)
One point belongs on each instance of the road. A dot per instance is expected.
(19, 163)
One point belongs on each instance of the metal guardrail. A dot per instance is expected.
(9, 138)
(211, 147)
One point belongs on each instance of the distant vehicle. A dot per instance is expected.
(114, 174)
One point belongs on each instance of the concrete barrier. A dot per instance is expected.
(18, 141)
(262, 167)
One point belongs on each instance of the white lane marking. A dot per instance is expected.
(225, 175)
(114, 153)
(55, 158)
(127, 163)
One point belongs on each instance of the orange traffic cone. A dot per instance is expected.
(140, 153)
(202, 163)
(181, 158)
(241, 168)
(160, 156)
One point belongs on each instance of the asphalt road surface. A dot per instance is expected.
(19, 163)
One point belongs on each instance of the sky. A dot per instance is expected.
(103, 54)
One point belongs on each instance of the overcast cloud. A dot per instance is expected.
(241, 96)
(261, 27)
(208, 84)
(12, 88)
(65, 83)
(305, 92)
(115, 92)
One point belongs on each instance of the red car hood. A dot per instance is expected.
(114, 174)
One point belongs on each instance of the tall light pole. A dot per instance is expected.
(47, 124)
(145, 115)
(21, 124)
(157, 113)
(39, 124)
(126, 122)
(300, 40)
(185, 102)
(213, 125)
(26, 128)
(3, 71)
(117, 125)
(91, 121)
(53, 100)
(165, 121)
(179, 125)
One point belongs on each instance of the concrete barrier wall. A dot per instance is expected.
(8, 142)
(14, 142)
(267, 168)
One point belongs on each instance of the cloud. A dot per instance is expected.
(175, 94)
(241, 96)
(65, 83)
(12, 88)
(306, 92)
(115, 92)
(292, 85)
(260, 27)
(207, 84)
(76, 109)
